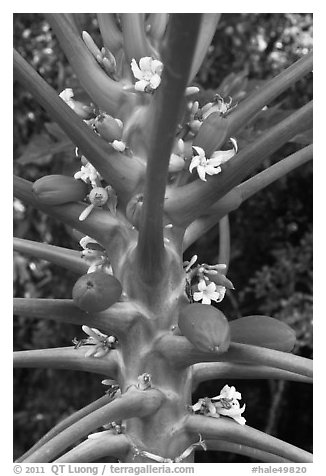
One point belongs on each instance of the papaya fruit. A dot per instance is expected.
(205, 327)
(263, 331)
(212, 133)
(95, 292)
(59, 189)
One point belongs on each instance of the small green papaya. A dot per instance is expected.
(212, 133)
(263, 331)
(59, 189)
(95, 292)
(205, 327)
(108, 127)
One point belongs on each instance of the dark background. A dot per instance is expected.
(271, 259)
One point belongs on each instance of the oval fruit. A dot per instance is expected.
(212, 133)
(205, 327)
(96, 291)
(263, 331)
(59, 189)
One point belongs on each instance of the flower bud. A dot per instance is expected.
(176, 163)
(59, 189)
(108, 127)
(219, 279)
(212, 133)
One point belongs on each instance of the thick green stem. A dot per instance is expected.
(182, 353)
(233, 199)
(240, 449)
(115, 320)
(135, 42)
(106, 93)
(157, 23)
(118, 170)
(67, 358)
(69, 259)
(269, 91)
(274, 172)
(167, 102)
(131, 404)
(111, 35)
(62, 425)
(185, 203)
(93, 450)
(231, 370)
(227, 430)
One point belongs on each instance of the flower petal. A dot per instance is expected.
(206, 299)
(201, 172)
(202, 285)
(141, 85)
(194, 163)
(135, 69)
(211, 288)
(157, 67)
(199, 151)
(155, 81)
(145, 64)
(197, 406)
(212, 170)
(197, 296)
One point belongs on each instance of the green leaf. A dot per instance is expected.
(263, 331)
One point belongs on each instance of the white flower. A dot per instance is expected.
(67, 95)
(81, 109)
(225, 404)
(228, 393)
(205, 407)
(148, 73)
(190, 90)
(102, 343)
(209, 166)
(233, 411)
(207, 293)
(88, 174)
(118, 145)
(86, 240)
(177, 158)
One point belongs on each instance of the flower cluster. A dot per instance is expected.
(198, 115)
(225, 404)
(100, 343)
(205, 282)
(113, 388)
(95, 255)
(211, 166)
(99, 196)
(83, 111)
(148, 73)
(103, 56)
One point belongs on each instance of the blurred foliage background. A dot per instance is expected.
(271, 256)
